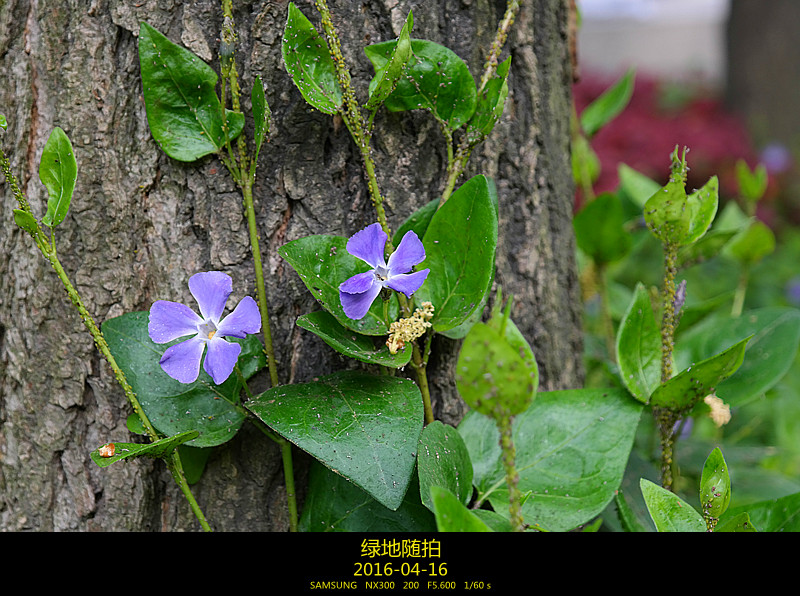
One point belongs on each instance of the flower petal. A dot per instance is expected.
(408, 253)
(221, 358)
(182, 361)
(356, 306)
(369, 245)
(244, 319)
(211, 290)
(171, 320)
(408, 283)
(358, 284)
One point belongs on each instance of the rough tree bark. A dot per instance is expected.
(140, 224)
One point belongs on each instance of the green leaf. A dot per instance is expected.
(636, 186)
(26, 221)
(436, 79)
(584, 161)
(770, 353)
(608, 105)
(323, 263)
(350, 343)
(386, 78)
(715, 485)
(175, 407)
(460, 245)
(670, 513)
(309, 63)
(332, 504)
(452, 515)
(491, 103)
(773, 515)
(572, 449)
(183, 110)
(600, 229)
(160, 448)
(639, 347)
(752, 244)
(417, 222)
(752, 183)
(443, 461)
(3, 122)
(496, 373)
(678, 219)
(627, 517)
(737, 523)
(691, 385)
(361, 426)
(58, 171)
(262, 115)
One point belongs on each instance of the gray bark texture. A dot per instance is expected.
(141, 224)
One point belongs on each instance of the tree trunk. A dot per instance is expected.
(141, 224)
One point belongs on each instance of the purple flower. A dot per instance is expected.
(171, 320)
(358, 292)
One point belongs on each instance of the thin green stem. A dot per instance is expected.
(741, 291)
(420, 368)
(512, 476)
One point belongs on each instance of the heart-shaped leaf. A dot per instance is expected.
(361, 426)
(175, 407)
(183, 110)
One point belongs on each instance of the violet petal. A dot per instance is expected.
(408, 283)
(356, 306)
(408, 253)
(369, 245)
(221, 359)
(245, 318)
(182, 361)
(358, 284)
(211, 290)
(171, 320)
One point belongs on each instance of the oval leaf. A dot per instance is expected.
(460, 245)
(309, 63)
(58, 171)
(443, 461)
(670, 513)
(608, 105)
(183, 110)
(350, 343)
(639, 347)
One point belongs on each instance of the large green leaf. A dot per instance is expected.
(572, 448)
(460, 245)
(58, 171)
(774, 515)
(309, 63)
(386, 78)
(436, 79)
(443, 461)
(770, 353)
(323, 263)
(333, 504)
(670, 513)
(183, 109)
(639, 347)
(361, 426)
(175, 407)
(692, 384)
(350, 343)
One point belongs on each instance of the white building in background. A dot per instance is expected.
(675, 39)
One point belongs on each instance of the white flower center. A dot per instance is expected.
(207, 329)
(381, 273)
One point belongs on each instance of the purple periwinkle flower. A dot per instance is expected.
(171, 320)
(358, 292)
